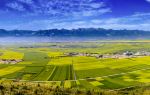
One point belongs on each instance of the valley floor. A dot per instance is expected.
(48, 64)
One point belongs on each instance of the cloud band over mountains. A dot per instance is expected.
(69, 14)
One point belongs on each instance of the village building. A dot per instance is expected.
(10, 61)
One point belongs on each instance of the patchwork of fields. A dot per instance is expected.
(46, 64)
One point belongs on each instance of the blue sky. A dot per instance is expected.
(73, 14)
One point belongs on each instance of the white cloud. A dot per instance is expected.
(138, 21)
(70, 8)
(128, 27)
(148, 0)
(26, 1)
(60, 8)
(141, 14)
(97, 5)
(78, 14)
(90, 13)
(96, 21)
(134, 22)
(16, 6)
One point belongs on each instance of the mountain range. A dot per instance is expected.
(81, 32)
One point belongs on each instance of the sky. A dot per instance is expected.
(73, 14)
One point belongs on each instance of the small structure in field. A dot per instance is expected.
(99, 56)
(128, 53)
(10, 61)
(72, 54)
(142, 53)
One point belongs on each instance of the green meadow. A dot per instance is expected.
(47, 62)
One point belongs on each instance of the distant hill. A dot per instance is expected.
(81, 32)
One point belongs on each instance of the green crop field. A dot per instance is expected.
(48, 62)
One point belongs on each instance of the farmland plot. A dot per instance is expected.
(52, 66)
(61, 73)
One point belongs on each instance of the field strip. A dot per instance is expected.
(51, 73)
(88, 78)
(76, 80)
(74, 73)
(131, 87)
(9, 70)
(118, 74)
(124, 88)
